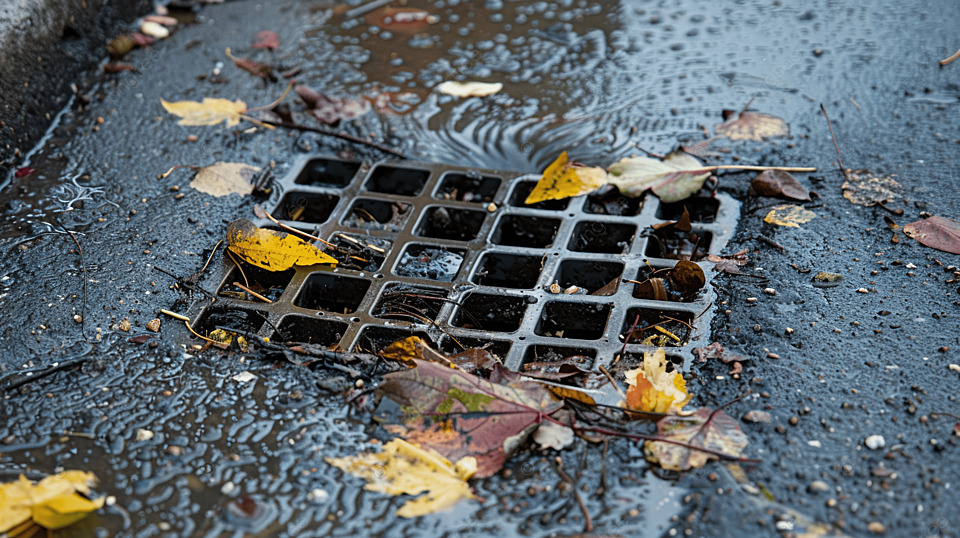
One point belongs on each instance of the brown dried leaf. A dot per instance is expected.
(752, 126)
(779, 183)
(863, 188)
(259, 69)
(936, 232)
(267, 40)
(330, 110)
(705, 428)
(716, 351)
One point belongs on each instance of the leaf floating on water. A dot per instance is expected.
(53, 503)
(405, 469)
(654, 390)
(936, 232)
(752, 126)
(210, 111)
(674, 178)
(469, 89)
(563, 180)
(328, 109)
(789, 215)
(863, 188)
(705, 428)
(272, 250)
(223, 178)
(779, 183)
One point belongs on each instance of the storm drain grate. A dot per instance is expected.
(454, 256)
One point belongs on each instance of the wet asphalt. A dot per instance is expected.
(831, 366)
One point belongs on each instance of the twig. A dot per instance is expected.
(758, 168)
(251, 292)
(83, 266)
(588, 523)
(44, 373)
(649, 153)
(612, 382)
(952, 57)
(951, 415)
(237, 263)
(771, 242)
(261, 213)
(338, 134)
(829, 126)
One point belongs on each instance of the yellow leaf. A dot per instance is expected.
(272, 250)
(210, 112)
(55, 502)
(403, 468)
(223, 178)
(652, 389)
(789, 215)
(562, 180)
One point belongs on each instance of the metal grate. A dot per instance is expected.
(453, 255)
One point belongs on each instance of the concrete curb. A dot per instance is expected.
(44, 46)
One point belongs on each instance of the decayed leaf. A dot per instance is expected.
(705, 428)
(562, 180)
(54, 502)
(716, 351)
(270, 249)
(652, 389)
(779, 183)
(468, 416)
(222, 178)
(729, 264)
(674, 178)
(267, 40)
(863, 188)
(406, 469)
(469, 89)
(330, 109)
(209, 112)
(553, 435)
(752, 126)
(414, 347)
(789, 215)
(936, 232)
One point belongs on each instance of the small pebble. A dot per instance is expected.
(175, 450)
(875, 442)
(817, 486)
(756, 416)
(144, 435)
(876, 527)
(862, 290)
(492, 207)
(769, 291)
(789, 330)
(319, 496)
(227, 488)
(153, 325)
(794, 421)
(751, 299)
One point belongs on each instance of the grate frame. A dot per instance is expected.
(499, 204)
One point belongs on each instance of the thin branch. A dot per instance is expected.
(830, 126)
(251, 292)
(588, 523)
(83, 265)
(261, 213)
(612, 382)
(759, 168)
(952, 57)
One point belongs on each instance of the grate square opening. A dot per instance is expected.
(374, 338)
(270, 284)
(468, 188)
(327, 173)
(521, 231)
(451, 223)
(332, 292)
(543, 353)
(676, 245)
(508, 270)
(498, 348)
(359, 252)
(370, 214)
(639, 326)
(582, 321)
(405, 302)
(396, 180)
(306, 207)
(612, 202)
(322, 332)
(229, 317)
(647, 272)
(430, 263)
(592, 276)
(602, 237)
(633, 360)
(524, 188)
(494, 313)
(701, 209)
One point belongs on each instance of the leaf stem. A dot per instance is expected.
(759, 168)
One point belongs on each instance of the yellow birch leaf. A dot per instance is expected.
(53, 503)
(403, 468)
(209, 112)
(789, 215)
(270, 249)
(652, 389)
(562, 180)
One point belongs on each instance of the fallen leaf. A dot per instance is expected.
(936, 232)
(53, 503)
(674, 178)
(222, 179)
(267, 40)
(716, 351)
(779, 183)
(654, 390)
(414, 347)
(468, 416)
(682, 224)
(469, 89)
(121, 45)
(705, 428)
(553, 435)
(863, 188)
(563, 179)
(406, 469)
(789, 215)
(270, 249)
(330, 110)
(259, 69)
(752, 126)
(209, 112)
(244, 377)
